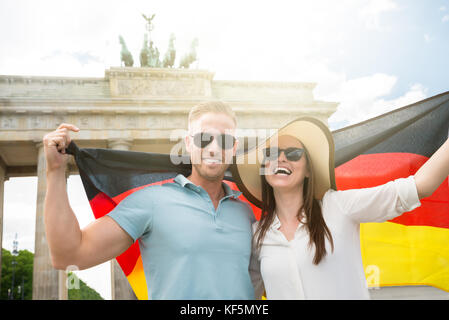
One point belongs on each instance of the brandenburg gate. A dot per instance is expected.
(129, 109)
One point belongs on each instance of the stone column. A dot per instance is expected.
(2, 183)
(120, 287)
(63, 290)
(46, 279)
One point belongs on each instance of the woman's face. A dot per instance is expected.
(282, 173)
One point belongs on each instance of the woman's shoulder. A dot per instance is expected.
(255, 225)
(330, 206)
(329, 196)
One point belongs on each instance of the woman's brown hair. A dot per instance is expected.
(315, 224)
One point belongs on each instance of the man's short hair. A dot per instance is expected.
(211, 107)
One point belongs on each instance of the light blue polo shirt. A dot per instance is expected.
(190, 250)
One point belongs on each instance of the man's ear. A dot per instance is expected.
(188, 142)
(236, 145)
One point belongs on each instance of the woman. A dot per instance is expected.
(306, 244)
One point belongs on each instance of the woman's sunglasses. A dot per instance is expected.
(292, 154)
(224, 141)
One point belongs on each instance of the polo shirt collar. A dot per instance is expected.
(184, 182)
(229, 192)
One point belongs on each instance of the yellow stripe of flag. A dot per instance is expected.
(396, 255)
(137, 280)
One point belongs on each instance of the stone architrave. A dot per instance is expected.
(159, 82)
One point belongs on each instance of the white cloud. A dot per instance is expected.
(362, 98)
(417, 92)
(442, 8)
(237, 40)
(427, 38)
(372, 11)
(445, 18)
(358, 96)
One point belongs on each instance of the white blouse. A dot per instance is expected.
(285, 269)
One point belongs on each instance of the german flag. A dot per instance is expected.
(412, 249)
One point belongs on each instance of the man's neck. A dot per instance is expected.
(213, 187)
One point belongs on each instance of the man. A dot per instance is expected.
(194, 234)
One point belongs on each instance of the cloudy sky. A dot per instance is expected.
(371, 56)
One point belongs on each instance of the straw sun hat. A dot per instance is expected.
(317, 140)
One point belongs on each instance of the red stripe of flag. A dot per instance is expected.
(375, 169)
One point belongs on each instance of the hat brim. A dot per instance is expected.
(317, 140)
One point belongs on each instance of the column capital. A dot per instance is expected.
(120, 143)
(38, 143)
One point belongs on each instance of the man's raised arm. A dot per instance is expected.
(100, 241)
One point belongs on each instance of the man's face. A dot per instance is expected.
(210, 161)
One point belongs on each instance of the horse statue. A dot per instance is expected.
(125, 55)
(170, 55)
(145, 53)
(154, 60)
(189, 58)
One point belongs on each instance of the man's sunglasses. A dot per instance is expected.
(292, 154)
(224, 141)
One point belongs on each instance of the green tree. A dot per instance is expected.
(24, 269)
(84, 292)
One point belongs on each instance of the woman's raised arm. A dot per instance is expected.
(432, 173)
